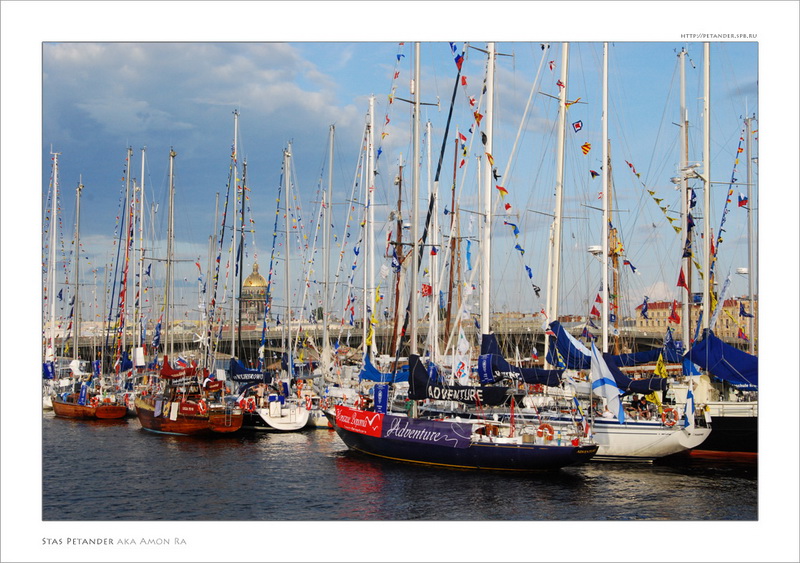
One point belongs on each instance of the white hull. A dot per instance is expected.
(317, 419)
(286, 418)
(643, 441)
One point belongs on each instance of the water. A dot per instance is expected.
(116, 471)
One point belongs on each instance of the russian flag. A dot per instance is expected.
(181, 362)
(742, 199)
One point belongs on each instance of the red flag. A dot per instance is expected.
(598, 299)
(426, 290)
(463, 80)
(462, 136)
(682, 280)
(673, 316)
(595, 312)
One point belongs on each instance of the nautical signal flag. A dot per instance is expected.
(593, 174)
(742, 200)
(628, 263)
(594, 311)
(427, 290)
(577, 126)
(743, 313)
(490, 158)
(502, 190)
(742, 335)
(462, 137)
(434, 251)
(586, 147)
(682, 281)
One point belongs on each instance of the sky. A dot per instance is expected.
(91, 80)
(101, 98)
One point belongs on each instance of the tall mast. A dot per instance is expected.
(706, 186)
(486, 243)
(453, 238)
(240, 259)
(686, 262)
(415, 205)
(433, 309)
(751, 278)
(326, 254)
(287, 154)
(369, 293)
(170, 237)
(235, 173)
(140, 293)
(52, 262)
(555, 236)
(606, 199)
(77, 303)
(126, 221)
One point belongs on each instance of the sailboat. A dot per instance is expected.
(450, 440)
(735, 421)
(176, 404)
(90, 402)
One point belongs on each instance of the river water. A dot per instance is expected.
(105, 472)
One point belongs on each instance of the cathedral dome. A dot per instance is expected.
(255, 279)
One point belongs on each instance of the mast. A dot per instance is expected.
(433, 309)
(369, 293)
(398, 249)
(751, 278)
(235, 172)
(240, 259)
(606, 199)
(170, 237)
(52, 262)
(287, 153)
(126, 220)
(77, 302)
(452, 240)
(140, 299)
(555, 236)
(326, 259)
(706, 187)
(486, 243)
(686, 262)
(414, 205)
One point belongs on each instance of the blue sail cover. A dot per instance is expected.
(725, 362)
(421, 387)
(628, 385)
(489, 345)
(370, 373)
(240, 373)
(576, 356)
(493, 367)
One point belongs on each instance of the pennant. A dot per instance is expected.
(673, 316)
(464, 81)
(575, 101)
(508, 207)
(434, 252)
(644, 307)
(586, 334)
(560, 84)
(577, 126)
(593, 174)
(530, 272)
(552, 65)
(594, 311)
(459, 61)
(502, 190)
(513, 227)
(598, 299)
(742, 200)
(742, 335)
(491, 160)
(522, 250)
(586, 147)
(743, 313)
(462, 137)
(682, 281)
(628, 263)
(478, 117)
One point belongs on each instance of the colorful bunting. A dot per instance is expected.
(742, 200)
(502, 190)
(593, 174)
(577, 126)
(682, 281)
(586, 147)
(628, 263)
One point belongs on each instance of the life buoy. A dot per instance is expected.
(358, 402)
(323, 404)
(202, 407)
(673, 418)
(545, 430)
(538, 388)
(308, 402)
(250, 404)
(94, 401)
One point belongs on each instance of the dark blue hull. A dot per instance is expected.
(504, 457)
(732, 434)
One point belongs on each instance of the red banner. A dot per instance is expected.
(360, 422)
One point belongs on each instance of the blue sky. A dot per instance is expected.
(100, 98)
(90, 106)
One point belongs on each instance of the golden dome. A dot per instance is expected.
(255, 279)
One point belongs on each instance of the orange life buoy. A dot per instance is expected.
(545, 430)
(250, 404)
(672, 419)
(201, 406)
(308, 402)
(94, 402)
(538, 388)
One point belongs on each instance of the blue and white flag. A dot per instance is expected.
(603, 385)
